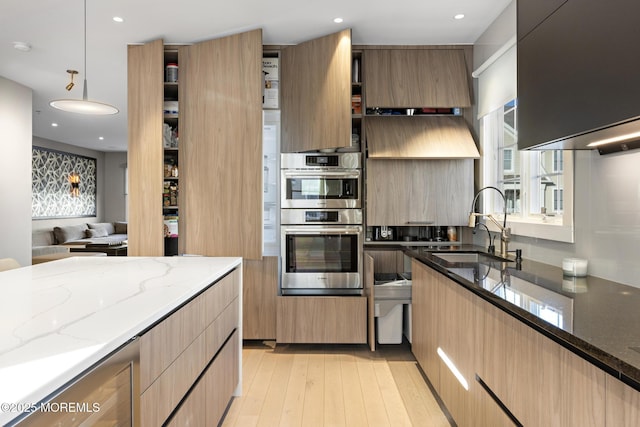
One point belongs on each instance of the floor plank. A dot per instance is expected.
(332, 385)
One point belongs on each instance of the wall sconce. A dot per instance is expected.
(74, 180)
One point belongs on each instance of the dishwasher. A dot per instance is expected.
(392, 292)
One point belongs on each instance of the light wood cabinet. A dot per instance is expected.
(538, 381)
(419, 192)
(316, 94)
(329, 320)
(388, 261)
(145, 152)
(425, 320)
(419, 137)
(176, 352)
(221, 130)
(409, 78)
(456, 339)
(369, 289)
(220, 147)
(207, 401)
(541, 382)
(260, 290)
(623, 404)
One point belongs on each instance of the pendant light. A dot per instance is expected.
(84, 106)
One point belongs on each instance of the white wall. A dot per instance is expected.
(115, 208)
(15, 173)
(606, 220)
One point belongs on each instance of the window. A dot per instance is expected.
(538, 185)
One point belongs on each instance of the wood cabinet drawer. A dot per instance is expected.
(160, 346)
(159, 399)
(330, 320)
(206, 403)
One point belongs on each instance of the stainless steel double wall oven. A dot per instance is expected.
(321, 227)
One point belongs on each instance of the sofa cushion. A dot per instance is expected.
(42, 238)
(107, 226)
(120, 227)
(96, 232)
(69, 233)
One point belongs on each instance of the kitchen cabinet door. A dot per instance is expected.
(316, 94)
(259, 290)
(221, 135)
(419, 192)
(425, 320)
(388, 261)
(457, 340)
(322, 319)
(623, 404)
(593, 80)
(539, 381)
(369, 282)
(409, 78)
(145, 153)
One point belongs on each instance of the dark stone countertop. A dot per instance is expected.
(594, 318)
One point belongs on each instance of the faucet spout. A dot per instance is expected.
(505, 233)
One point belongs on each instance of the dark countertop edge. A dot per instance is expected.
(612, 365)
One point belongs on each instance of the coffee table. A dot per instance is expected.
(62, 255)
(120, 250)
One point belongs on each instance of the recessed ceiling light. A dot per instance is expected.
(55, 125)
(459, 16)
(22, 46)
(338, 20)
(118, 19)
(101, 138)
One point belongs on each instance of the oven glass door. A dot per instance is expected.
(317, 257)
(309, 253)
(321, 189)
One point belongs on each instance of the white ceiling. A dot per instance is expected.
(54, 29)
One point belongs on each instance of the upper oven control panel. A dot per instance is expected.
(326, 161)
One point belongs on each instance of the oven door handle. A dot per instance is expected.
(322, 230)
(319, 174)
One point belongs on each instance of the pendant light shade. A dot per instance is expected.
(84, 105)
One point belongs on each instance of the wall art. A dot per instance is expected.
(63, 184)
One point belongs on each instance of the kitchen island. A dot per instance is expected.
(62, 318)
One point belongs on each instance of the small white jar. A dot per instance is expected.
(575, 267)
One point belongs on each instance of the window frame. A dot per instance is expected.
(558, 227)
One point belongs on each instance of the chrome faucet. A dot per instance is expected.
(505, 233)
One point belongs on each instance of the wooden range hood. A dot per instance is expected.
(419, 137)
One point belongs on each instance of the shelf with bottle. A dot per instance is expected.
(170, 194)
(416, 111)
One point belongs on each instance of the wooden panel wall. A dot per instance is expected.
(221, 129)
(145, 155)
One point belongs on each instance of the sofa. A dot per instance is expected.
(47, 242)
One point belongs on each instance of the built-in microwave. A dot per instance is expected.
(320, 181)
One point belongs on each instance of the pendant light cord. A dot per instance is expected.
(85, 95)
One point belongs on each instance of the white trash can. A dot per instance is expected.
(390, 326)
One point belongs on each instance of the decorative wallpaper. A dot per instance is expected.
(51, 189)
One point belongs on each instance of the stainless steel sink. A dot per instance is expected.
(467, 257)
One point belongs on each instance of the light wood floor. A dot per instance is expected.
(339, 385)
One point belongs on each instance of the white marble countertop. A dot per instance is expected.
(59, 318)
